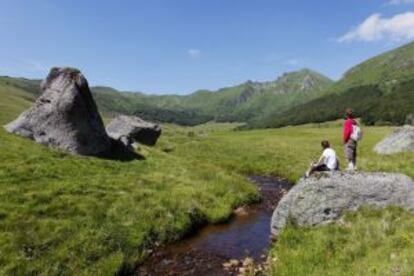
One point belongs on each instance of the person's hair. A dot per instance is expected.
(349, 113)
(325, 144)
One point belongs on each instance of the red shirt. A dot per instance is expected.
(348, 129)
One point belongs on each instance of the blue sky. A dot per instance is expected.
(179, 46)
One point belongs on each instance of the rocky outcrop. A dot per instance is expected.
(308, 83)
(323, 198)
(131, 129)
(401, 140)
(65, 116)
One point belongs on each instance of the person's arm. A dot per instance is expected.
(347, 130)
(320, 161)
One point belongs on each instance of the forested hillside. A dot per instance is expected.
(380, 90)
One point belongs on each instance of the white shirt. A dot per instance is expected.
(329, 158)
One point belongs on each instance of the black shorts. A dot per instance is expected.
(322, 168)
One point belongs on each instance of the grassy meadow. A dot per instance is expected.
(68, 215)
(285, 152)
(367, 242)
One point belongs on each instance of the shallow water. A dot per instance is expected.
(246, 235)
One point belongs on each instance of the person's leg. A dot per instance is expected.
(353, 150)
(338, 165)
(322, 168)
(354, 161)
(346, 154)
(350, 154)
(318, 168)
(310, 170)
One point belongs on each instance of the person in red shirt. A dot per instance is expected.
(350, 145)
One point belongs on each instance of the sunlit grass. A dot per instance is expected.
(63, 214)
(67, 214)
(368, 242)
(283, 152)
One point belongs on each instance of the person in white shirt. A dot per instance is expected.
(327, 162)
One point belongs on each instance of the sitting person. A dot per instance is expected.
(327, 161)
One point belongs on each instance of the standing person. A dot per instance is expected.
(327, 161)
(350, 145)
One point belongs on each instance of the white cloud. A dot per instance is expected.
(399, 2)
(194, 53)
(293, 62)
(375, 27)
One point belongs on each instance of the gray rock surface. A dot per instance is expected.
(409, 120)
(130, 129)
(323, 198)
(65, 116)
(401, 140)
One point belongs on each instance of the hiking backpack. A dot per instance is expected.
(356, 133)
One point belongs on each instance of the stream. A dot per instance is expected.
(215, 249)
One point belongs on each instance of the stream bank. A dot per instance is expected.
(222, 249)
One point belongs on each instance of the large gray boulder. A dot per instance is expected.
(65, 116)
(401, 140)
(323, 198)
(131, 129)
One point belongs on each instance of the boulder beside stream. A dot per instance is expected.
(401, 140)
(65, 116)
(323, 198)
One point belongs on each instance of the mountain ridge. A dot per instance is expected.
(238, 103)
(384, 83)
(296, 97)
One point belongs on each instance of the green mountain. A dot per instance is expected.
(239, 103)
(152, 108)
(256, 99)
(380, 90)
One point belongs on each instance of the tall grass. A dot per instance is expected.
(283, 152)
(368, 242)
(62, 214)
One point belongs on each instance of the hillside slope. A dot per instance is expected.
(238, 103)
(386, 70)
(16, 95)
(379, 89)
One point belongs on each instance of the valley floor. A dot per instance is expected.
(62, 214)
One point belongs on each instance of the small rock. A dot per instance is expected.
(241, 211)
(134, 129)
(234, 262)
(168, 148)
(248, 262)
(166, 262)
